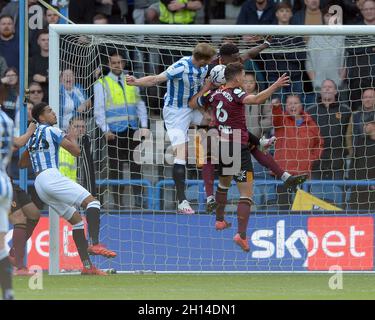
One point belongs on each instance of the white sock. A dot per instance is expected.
(210, 197)
(285, 176)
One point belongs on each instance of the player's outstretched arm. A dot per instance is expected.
(19, 142)
(253, 52)
(262, 96)
(148, 81)
(71, 146)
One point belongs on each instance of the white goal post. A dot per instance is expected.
(55, 34)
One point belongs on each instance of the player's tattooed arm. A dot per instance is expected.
(148, 81)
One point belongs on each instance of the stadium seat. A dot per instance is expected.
(195, 196)
(263, 195)
(330, 193)
(233, 193)
(260, 172)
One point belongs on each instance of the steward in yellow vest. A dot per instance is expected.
(68, 162)
(182, 12)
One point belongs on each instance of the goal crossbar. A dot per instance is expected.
(55, 31)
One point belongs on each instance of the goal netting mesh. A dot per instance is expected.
(333, 142)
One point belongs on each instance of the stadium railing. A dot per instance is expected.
(155, 192)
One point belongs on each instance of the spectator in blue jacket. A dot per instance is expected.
(257, 12)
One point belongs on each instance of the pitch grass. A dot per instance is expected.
(197, 286)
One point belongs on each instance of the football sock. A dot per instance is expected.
(93, 221)
(208, 175)
(19, 240)
(221, 200)
(81, 244)
(179, 180)
(253, 139)
(6, 276)
(266, 160)
(243, 214)
(30, 226)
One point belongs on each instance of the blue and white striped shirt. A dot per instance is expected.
(6, 140)
(44, 146)
(6, 144)
(6, 190)
(184, 81)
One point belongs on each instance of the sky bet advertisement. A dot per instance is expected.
(168, 242)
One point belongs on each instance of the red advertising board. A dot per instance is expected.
(39, 246)
(346, 242)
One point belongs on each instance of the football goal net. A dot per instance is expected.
(325, 128)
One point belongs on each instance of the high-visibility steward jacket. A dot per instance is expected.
(67, 164)
(120, 105)
(184, 16)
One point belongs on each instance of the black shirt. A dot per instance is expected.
(333, 122)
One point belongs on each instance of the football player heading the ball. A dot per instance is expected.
(229, 53)
(229, 102)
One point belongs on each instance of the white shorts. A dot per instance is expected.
(59, 192)
(6, 195)
(178, 121)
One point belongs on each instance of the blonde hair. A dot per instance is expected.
(204, 51)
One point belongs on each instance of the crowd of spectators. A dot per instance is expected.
(324, 122)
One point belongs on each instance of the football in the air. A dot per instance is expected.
(217, 75)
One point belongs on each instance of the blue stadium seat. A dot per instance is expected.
(233, 193)
(195, 196)
(263, 195)
(260, 172)
(192, 193)
(330, 193)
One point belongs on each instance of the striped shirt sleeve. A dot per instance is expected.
(57, 135)
(175, 71)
